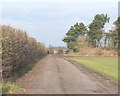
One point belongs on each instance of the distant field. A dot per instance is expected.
(70, 55)
(105, 65)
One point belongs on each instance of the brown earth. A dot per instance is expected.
(55, 75)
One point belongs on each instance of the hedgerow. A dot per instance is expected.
(18, 50)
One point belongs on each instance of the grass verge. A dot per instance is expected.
(10, 88)
(107, 66)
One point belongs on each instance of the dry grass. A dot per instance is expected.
(94, 52)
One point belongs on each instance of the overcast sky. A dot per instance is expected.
(49, 20)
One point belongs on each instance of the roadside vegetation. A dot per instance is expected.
(107, 66)
(93, 39)
(95, 47)
(19, 55)
(10, 88)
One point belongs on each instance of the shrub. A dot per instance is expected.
(60, 51)
(99, 53)
(18, 50)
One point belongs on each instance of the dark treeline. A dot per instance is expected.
(93, 35)
(18, 50)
